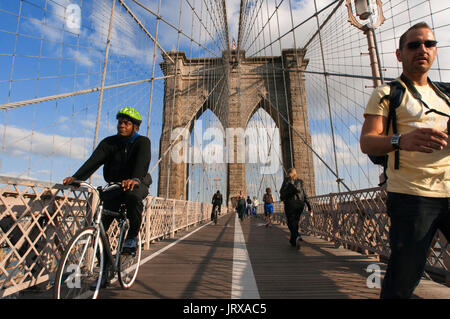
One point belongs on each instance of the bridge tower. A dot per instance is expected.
(234, 92)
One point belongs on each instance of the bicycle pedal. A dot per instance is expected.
(128, 253)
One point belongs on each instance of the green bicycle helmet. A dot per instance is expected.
(131, 114)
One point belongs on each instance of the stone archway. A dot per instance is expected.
(242, 86)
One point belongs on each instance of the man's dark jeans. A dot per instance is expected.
(133, 200)
(212, 210)
(414, 222)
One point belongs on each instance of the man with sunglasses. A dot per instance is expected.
(419, 190)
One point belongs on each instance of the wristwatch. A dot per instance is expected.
(395, 140)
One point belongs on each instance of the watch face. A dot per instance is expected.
(395, 139)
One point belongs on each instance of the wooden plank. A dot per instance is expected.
(197, 267)
(317, 270)
(200, 267)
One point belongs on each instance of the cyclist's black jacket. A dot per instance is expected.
(217, 199)
(123, 158)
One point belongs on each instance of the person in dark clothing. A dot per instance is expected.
(125, 158)
(294, 197)
(240, 206)
(217, 202)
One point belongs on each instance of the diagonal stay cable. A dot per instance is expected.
(144, 29)
(252, 24)
(298, 25)
(11, 105)
(310, 147)
(173, 26)
(200, 19)
(265, 24)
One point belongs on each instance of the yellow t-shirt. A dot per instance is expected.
(423, 174)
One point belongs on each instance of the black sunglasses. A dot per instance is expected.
(416, 44)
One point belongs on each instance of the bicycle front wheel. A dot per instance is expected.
(129, 266)
(80, 266)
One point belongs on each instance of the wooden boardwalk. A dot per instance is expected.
(212, 262)
(201, 266)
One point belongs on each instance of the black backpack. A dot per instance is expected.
(292, 190)
(395, 97)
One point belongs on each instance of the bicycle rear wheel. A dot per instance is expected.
(80, 267)
(129, 266)
(215, 216)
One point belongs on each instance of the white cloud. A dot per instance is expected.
(82, 58)
(88, 124)
(21, 141)
(355, 128)
(126, 35)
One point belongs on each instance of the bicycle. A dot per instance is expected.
(83, 261)
(215, 213)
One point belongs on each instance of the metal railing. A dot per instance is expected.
(358, 221)
(38, 219)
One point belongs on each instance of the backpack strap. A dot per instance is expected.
(395, 98)
(442, 89)
(438, 89)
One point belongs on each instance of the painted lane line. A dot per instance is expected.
(243, 279)
(155, 254)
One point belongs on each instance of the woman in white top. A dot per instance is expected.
(254, 206)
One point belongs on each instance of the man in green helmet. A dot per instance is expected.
(125, 158)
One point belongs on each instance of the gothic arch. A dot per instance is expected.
(245, 88)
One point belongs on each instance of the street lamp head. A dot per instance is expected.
(361, 10)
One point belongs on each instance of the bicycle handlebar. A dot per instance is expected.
(111, 186)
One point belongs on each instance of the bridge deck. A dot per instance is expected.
(201, 266)
(210, 262)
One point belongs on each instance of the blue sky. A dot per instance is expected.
(47, 58)
(40, 55)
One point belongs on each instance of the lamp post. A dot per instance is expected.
(363, 10)
(217, 182)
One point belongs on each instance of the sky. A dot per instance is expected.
(49, 47)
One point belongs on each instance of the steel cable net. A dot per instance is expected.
(338, 76)
(338, 84)
(70, 65)
(345, 52)
(53, 54)
(57, 48)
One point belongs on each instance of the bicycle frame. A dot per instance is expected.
(101, 233)
(216, 214)
(96, 260)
